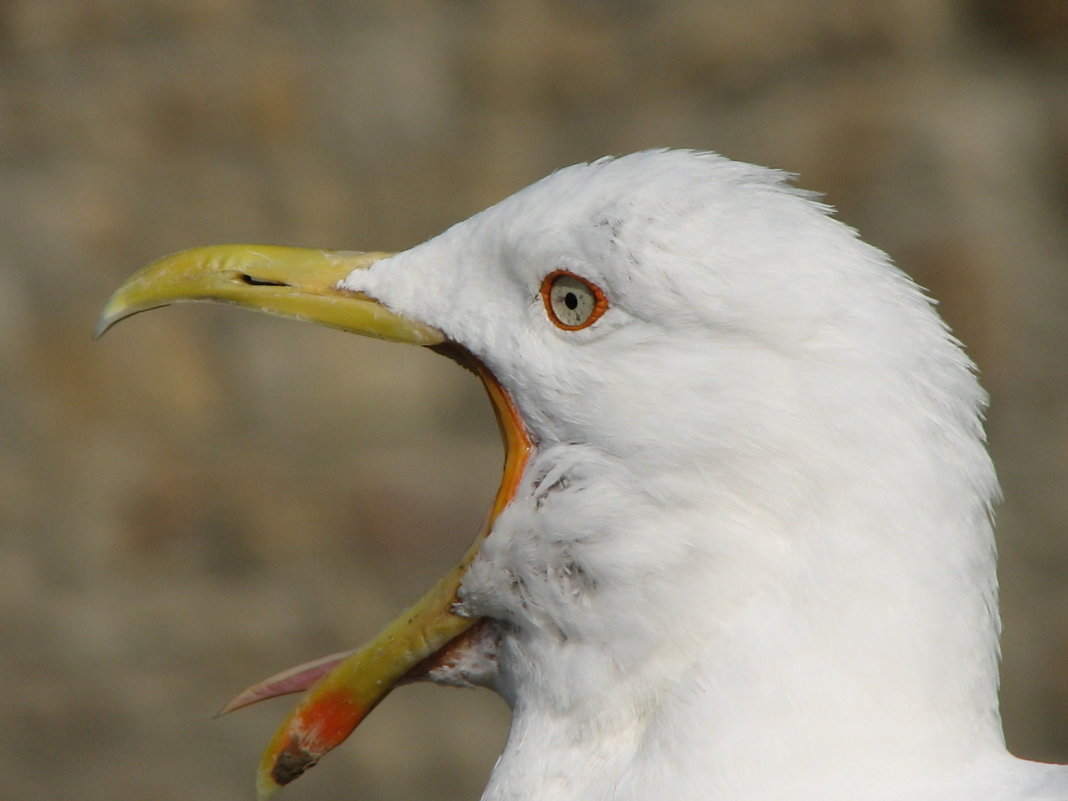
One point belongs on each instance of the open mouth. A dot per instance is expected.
(341, 689)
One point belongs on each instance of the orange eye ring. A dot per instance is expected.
(572, 302)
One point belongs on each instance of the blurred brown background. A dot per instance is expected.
(204, 496)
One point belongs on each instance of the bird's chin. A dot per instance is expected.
(468, 660)
(428, 641)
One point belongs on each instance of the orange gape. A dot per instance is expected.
(426, 636)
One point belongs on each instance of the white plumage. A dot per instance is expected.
(742, 549)
(751, 557)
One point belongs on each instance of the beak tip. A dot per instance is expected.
(103, 323)
(279, 767)
(266, 787)
(118, 308)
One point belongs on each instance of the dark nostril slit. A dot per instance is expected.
(252, 281)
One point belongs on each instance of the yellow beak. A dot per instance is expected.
(302, 284)
(291, 282)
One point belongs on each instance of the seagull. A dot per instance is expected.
(742, 548)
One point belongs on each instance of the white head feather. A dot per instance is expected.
(752, 555)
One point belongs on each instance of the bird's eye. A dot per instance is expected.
(572, 302)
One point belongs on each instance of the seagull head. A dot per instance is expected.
(745, 513)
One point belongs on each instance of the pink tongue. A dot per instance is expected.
(294, 680)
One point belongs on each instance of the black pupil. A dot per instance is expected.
(571, 300)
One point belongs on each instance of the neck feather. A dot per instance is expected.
(769, 646)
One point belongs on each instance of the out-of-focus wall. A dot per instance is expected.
(204, 497)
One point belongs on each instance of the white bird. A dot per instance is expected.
(743, 548)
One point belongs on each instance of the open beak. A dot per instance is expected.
(294, 282)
